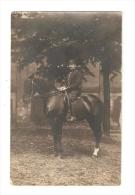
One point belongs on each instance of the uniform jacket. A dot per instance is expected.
(74, 80)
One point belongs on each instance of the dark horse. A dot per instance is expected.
(87, 107)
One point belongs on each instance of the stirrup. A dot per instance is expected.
(72, 119)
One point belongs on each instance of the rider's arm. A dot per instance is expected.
(77, 81)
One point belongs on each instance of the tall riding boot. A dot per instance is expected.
(72, 118)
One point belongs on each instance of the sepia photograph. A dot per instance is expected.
(66, 98)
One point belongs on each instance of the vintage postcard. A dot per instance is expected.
(66, 98)
(65, 108)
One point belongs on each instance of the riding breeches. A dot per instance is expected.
(73, 95)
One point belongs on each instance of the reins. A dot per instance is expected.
(51, 93)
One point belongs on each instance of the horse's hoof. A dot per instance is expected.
(61, 156)
(96, 152)
(56, 155)
(94, 156)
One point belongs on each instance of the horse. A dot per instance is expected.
(87, 107)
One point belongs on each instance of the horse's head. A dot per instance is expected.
(39, 85)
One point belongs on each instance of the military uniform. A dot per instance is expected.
(74, 89)
(74, 84)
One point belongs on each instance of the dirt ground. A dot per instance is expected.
(33, 161)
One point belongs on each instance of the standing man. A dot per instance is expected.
(45, 75)
(43, 68)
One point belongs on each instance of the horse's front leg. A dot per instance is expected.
(55, 140)
(56, 126)
(59, 124)
(60, 149)
(55, 136)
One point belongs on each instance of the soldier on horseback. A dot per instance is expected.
(56, 106)
(74, 81)
(74, 85)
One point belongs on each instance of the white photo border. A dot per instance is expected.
(128, 96)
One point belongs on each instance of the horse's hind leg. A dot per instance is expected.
(95, 124)
(97, 133)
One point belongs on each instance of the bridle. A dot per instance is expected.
(48, 94)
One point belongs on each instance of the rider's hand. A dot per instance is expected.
(63, 88)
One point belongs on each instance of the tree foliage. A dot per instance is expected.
(67, 35)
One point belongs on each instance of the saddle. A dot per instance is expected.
(72, 103)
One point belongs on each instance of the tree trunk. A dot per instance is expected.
(106, 87)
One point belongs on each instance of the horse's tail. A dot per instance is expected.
(87, 103)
